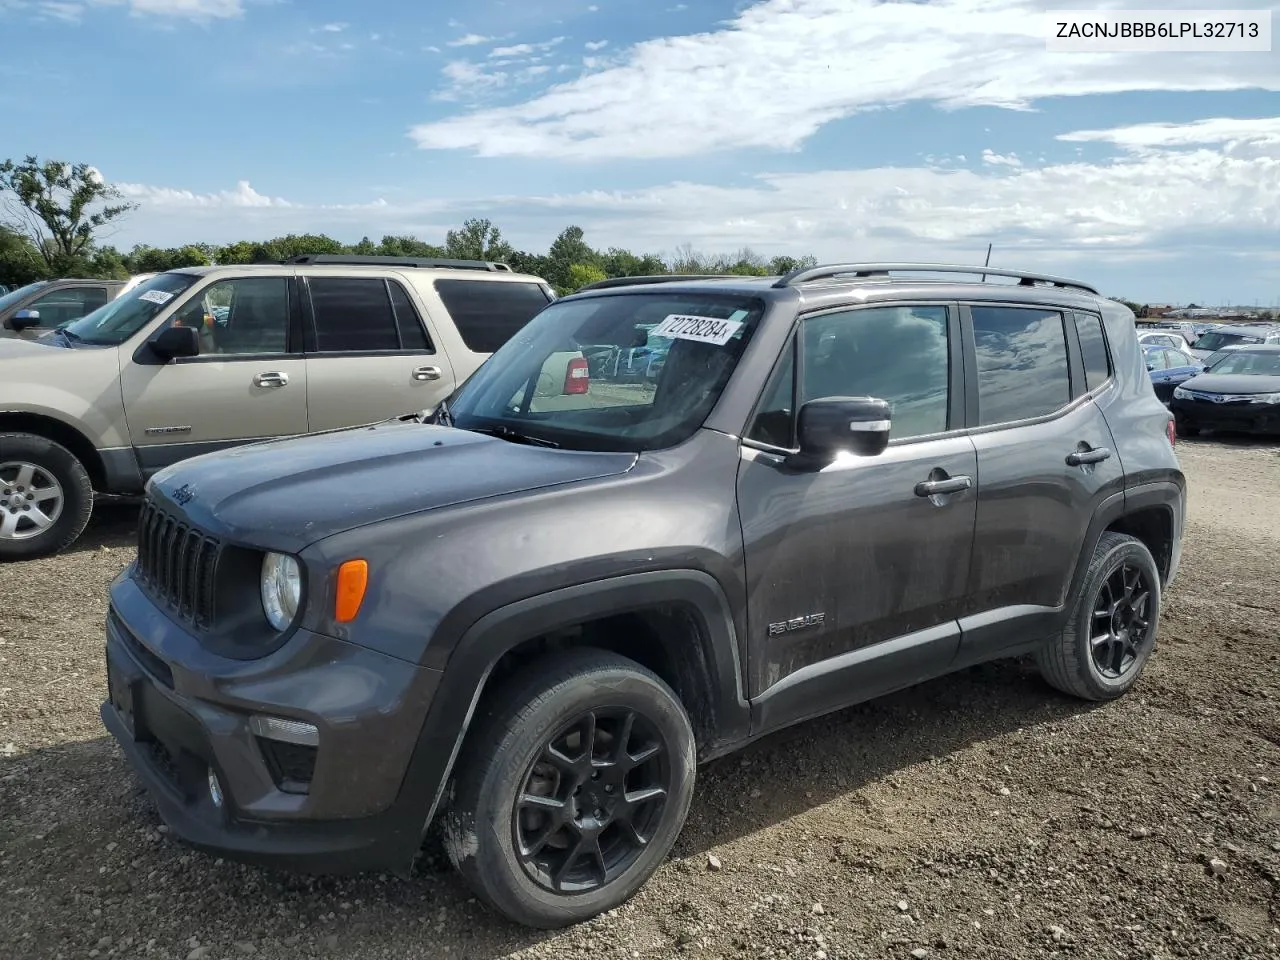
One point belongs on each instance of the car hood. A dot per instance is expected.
(1237, 383)
(286, 494)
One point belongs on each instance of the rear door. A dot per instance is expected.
(370, 354)
(1046, 461)
(482, 315)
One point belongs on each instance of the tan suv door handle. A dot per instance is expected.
(272, 379)
(426, 373)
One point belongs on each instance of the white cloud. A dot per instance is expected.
(596, 44)
(827, 59)
(334, 27)
(525, 49)
(994, 159)
(471, 40)
(1189, 195)
(243, 195)
(72, 11)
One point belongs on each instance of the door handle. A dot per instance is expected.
(932, 488)
(426, 373)
(271, 379)
(1081, 457)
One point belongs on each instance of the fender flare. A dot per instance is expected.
(484, 643)
(1161, 493)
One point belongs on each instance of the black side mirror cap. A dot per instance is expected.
(23, 319)
(830, 426)
(176, 342)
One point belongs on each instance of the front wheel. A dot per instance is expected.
(45, 497)
(1112, 631)
(577, 785)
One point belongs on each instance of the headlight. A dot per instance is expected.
(1266, 398)
(281, 589)
(1180, 393)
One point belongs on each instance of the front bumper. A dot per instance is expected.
(1233, 416)
(180, 713)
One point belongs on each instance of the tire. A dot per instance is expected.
(1068, 662)
(482, 830)
(1184, 429)
(43, 466)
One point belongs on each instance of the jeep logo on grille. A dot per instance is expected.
(183, 495)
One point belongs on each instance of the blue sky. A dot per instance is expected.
(849, 129)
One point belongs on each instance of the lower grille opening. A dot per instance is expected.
(291, 765)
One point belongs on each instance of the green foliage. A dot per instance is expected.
(60, 208)
(20, 261)
(580, 274)
(477, 240)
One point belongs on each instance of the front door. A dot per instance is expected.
(61, 306)
(856, 573)
(248, 383)
(371, 355)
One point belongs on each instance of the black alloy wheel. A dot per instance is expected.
(1121, 622)
(591, 801)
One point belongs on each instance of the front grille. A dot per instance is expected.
(177, 565)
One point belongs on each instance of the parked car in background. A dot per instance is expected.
(1173, 339)
(195, 360)
(1184, 327)
(1230, 334)
(530, 623)
(41, 307)
(1240, 392)
(1169, 367)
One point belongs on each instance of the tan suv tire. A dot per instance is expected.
(46, 497)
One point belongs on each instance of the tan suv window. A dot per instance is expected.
(245, 316)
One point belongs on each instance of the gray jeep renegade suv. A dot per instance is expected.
(529, 614)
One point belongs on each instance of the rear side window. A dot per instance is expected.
(1023, 370)
(353, 314)
(1093, 350)
(413, 336)
(488, 313)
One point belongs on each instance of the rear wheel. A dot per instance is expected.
(577, 784)
(1112, 630)
(45, 497)
(1185, 429)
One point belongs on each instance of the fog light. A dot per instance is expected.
(285, 731)
(215, 789)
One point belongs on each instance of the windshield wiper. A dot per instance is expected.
(515, 436)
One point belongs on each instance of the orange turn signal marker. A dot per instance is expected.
(353, 578)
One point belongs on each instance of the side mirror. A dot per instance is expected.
(832, 425)
(24, 319)
(176, 342)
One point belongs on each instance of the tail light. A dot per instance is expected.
(1172, 432)
(577, 376)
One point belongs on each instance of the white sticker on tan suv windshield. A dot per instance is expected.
(703, 329)
(156, 296)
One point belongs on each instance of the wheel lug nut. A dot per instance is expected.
(598, 814)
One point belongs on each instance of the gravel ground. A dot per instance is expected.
(978, 816)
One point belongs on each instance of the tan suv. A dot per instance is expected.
(196, 360)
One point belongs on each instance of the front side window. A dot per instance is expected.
(899, 354)
(562, 378)
(70, 303)
(1023, 370)
(1179, 359)
(121, 318)
(488, 313)
(246, 316)
(16, 296)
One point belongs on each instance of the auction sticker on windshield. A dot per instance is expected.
(681, 326)
(156, 296)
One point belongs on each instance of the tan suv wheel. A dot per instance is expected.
(45, 497)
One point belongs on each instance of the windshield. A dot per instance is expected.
(1251, 362)
(121, 318)
(623, 372)
(9, 299)
(1217, 339)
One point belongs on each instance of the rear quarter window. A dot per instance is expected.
(489, 313)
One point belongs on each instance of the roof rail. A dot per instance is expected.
(344, 259)
(654, 278)
(863, 270)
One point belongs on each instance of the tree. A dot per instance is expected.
(20, 261)
(477, 240)
(60, 207)
(580, 274)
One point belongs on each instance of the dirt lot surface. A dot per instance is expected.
(979, 816)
